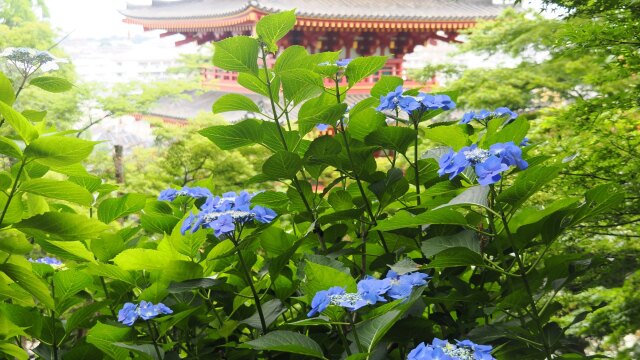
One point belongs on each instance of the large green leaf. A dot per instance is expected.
(528, 183)
(271, 199)
(514, 131)
(28, 281)
(59, 150)
(234, 102)
(111, 209)
(62, 226)
(13, 351)
(14, 242)
(228, 137)
(142, 259)
(8, 147)
(271, 310)
(365, 122)
(404, 219)
(313, 113)
(321, 277)
(18, 122)
(392, 138)
(362, 67)
(282, 165)
(456, 256)
(385, 85)
(287, 341)
(452, 135)
(75, 250)
(104, 336)
(258, 84)
(7, 94)
(51, 84)
(300, 84)
(238, 53)
(371, 331)
(466, 239)
(70, 282)
(61, 190)
(14, 211)
(274, 27)
(293, 57)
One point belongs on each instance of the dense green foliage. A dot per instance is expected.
(246, 294)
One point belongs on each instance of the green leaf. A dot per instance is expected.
(286, 341)
(300, 84)
(59, 150)
(62, 226)
(466, 239)
(514, 131)
(14, 242)
(103, 336)
(33, 115)
(7, 94)
(238, 53)
(456, 256)
(83, 316)
(228, 137)
(110, 272)
(312, 114)
(70, 249)
(18, 122)
(392, 138)
(271, 310)
(473, 196)
(320, 277)
(404, 219)
(8, 147)
(234, 102)
(274, 27)
(385, 85)
(13, 351)
(528, 183)
(142, 259)
(371, 331)
(70, 282)
(362, 67)
(61, 190)
(293, 57)
(598, 200)
(282, 165)
(258, 84)
(365, 122)
(271, 199)
(111, 209)
(452, 135)
(14, 211)
(51, 84)
(28, 281)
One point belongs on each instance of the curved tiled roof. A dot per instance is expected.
(321, 9)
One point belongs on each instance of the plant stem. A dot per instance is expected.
(256, 298)
(153, 338)
(343, 338)
(13, 191)
(106, 295)
(523, 274)
(355, 174)
(54, 340)
(417, 170)
(355, 336)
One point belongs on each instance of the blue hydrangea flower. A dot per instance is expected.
(372, 290)
(145, 310)
(343, 62)
(402, 285)
(443, 350)
(128, 314)
(488, 164)
(322, 127)
(524, 142)
(194, 192)
(409, 104)
(322, 300)
(391, 100)
(486, 115)
(489, 170)
(222, 214)
(48, 261)
(435, 102)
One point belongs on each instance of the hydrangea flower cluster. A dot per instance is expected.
(486, 115)
(488, 164)
(28, 60)
(220, 213)
(193, 192)
(130, 312)
(370, 291)
(443, 350)
(409, 104)
(48, 261)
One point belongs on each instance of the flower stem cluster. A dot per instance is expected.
(412, 104)
(370, 291)
(488, 164)
(443, 350)
(28, 60)
(220, 213)
(130, 312)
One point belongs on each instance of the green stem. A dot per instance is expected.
(356, 337)
(523, 274)
(256, 298)
(13, 191)
(417, 171)
(54, 340)
(355, 174)
(153, 338)
(106, 295)
(343, 338)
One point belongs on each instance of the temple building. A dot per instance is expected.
(355, 27)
